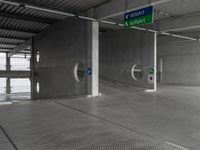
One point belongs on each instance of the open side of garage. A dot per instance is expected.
(77, 75)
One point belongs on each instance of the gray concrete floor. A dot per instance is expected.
(123, 118)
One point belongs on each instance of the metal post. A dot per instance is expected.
(155, 61)
(8, 68)
(161, 71)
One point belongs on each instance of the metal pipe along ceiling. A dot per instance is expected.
(93, 19)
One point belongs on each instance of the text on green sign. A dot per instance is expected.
(139, 21)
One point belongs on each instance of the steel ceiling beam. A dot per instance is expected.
(25, 45)
(183, 29)
(28, 18)
(11, 49)
(8, 50)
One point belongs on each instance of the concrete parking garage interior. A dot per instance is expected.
(74, 77)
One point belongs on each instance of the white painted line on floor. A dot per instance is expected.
(5, 103)
(150, 90)
(177, 146)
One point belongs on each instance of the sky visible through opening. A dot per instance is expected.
(18, 62)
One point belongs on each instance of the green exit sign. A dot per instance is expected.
(139, 17)
(151, 71)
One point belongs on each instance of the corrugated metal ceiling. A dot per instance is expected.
(174, 8)
(18, 23)
(180, 7)
(69, 5)
(11, 9)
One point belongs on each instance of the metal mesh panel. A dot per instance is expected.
(20, 62)
(2, 85)
(2, 61)
(20, 85)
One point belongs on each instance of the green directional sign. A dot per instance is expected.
(151, 71)
(139, 17)
(139, 21)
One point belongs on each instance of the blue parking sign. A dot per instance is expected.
(89, 71)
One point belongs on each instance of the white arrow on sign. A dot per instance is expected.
(126, 23)
(127, 16)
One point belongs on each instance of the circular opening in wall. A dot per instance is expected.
(79, 71)
(38, 56)
(37, 87)
(136, 72)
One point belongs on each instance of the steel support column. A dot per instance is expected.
(32, 64)
(8, 68)
(155, 61)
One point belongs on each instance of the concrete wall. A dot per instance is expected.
(181, 59)
(120, 50)
(61, 46)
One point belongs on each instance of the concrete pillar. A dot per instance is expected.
(8, 68)
(93, 59)
(32, 64)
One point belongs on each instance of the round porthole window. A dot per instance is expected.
(79, 71)
(38, 56)
(136, 72)
(37, 87)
